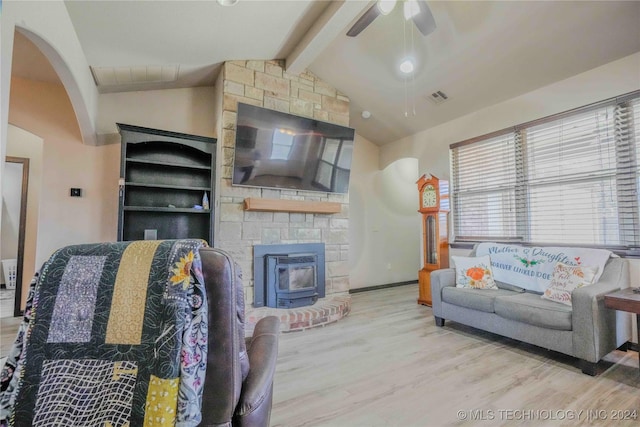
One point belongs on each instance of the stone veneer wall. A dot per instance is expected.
(266, 84)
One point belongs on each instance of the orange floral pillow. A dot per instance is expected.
(474, 272)
(567, 278)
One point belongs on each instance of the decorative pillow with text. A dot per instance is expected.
(474, 272)
(565, 279)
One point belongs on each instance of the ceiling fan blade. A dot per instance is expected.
(424, 20)
(364, 21)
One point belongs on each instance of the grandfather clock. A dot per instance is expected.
(434, 207)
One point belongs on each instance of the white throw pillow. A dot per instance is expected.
(474, 272)
(565, 279)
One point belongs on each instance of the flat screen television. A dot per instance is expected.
(280, 150)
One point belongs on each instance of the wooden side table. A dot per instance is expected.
(624, 300)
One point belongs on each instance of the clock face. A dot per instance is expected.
(429, 199)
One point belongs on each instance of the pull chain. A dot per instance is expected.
(404, 48)
(413, 73)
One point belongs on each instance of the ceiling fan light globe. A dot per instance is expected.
(385, 6)
(411, 9)
(407, 66)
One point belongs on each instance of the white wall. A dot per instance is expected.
(382, 208)
(189, 110)
(66, 220)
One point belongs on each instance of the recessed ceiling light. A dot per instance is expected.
(407, 66)
(386, 6)
(228, 2)
(366, 114)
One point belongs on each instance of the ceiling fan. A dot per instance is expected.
(416, 10)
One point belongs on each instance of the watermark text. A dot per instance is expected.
(547, 414)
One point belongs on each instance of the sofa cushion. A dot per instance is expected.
(475, 299)
(530, 308)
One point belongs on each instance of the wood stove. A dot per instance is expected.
(288, 276)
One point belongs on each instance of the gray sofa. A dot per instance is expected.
(586, 330)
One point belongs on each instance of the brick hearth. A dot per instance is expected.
(325, 311)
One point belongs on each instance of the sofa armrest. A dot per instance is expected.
(254, 407)
(594, 325)
(439, 280)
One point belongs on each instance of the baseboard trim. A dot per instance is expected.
(388, 285)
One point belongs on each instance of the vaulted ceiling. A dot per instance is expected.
(481, 53)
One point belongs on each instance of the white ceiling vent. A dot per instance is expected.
(116, 76)
(438, 97)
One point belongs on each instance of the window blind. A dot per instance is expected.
(485, 182)
(569, 179)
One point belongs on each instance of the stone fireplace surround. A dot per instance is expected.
(267, 84)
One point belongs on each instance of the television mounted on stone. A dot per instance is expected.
(285, 151)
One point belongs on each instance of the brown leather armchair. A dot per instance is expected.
(235, 393)
(82, 291)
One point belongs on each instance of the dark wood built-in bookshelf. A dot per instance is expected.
(163, 176)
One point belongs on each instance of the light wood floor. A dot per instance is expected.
(387, 364)
(7, 298)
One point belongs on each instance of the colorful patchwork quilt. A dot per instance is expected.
(114, 334)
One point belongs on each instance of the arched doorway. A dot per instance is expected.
(32, 70)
